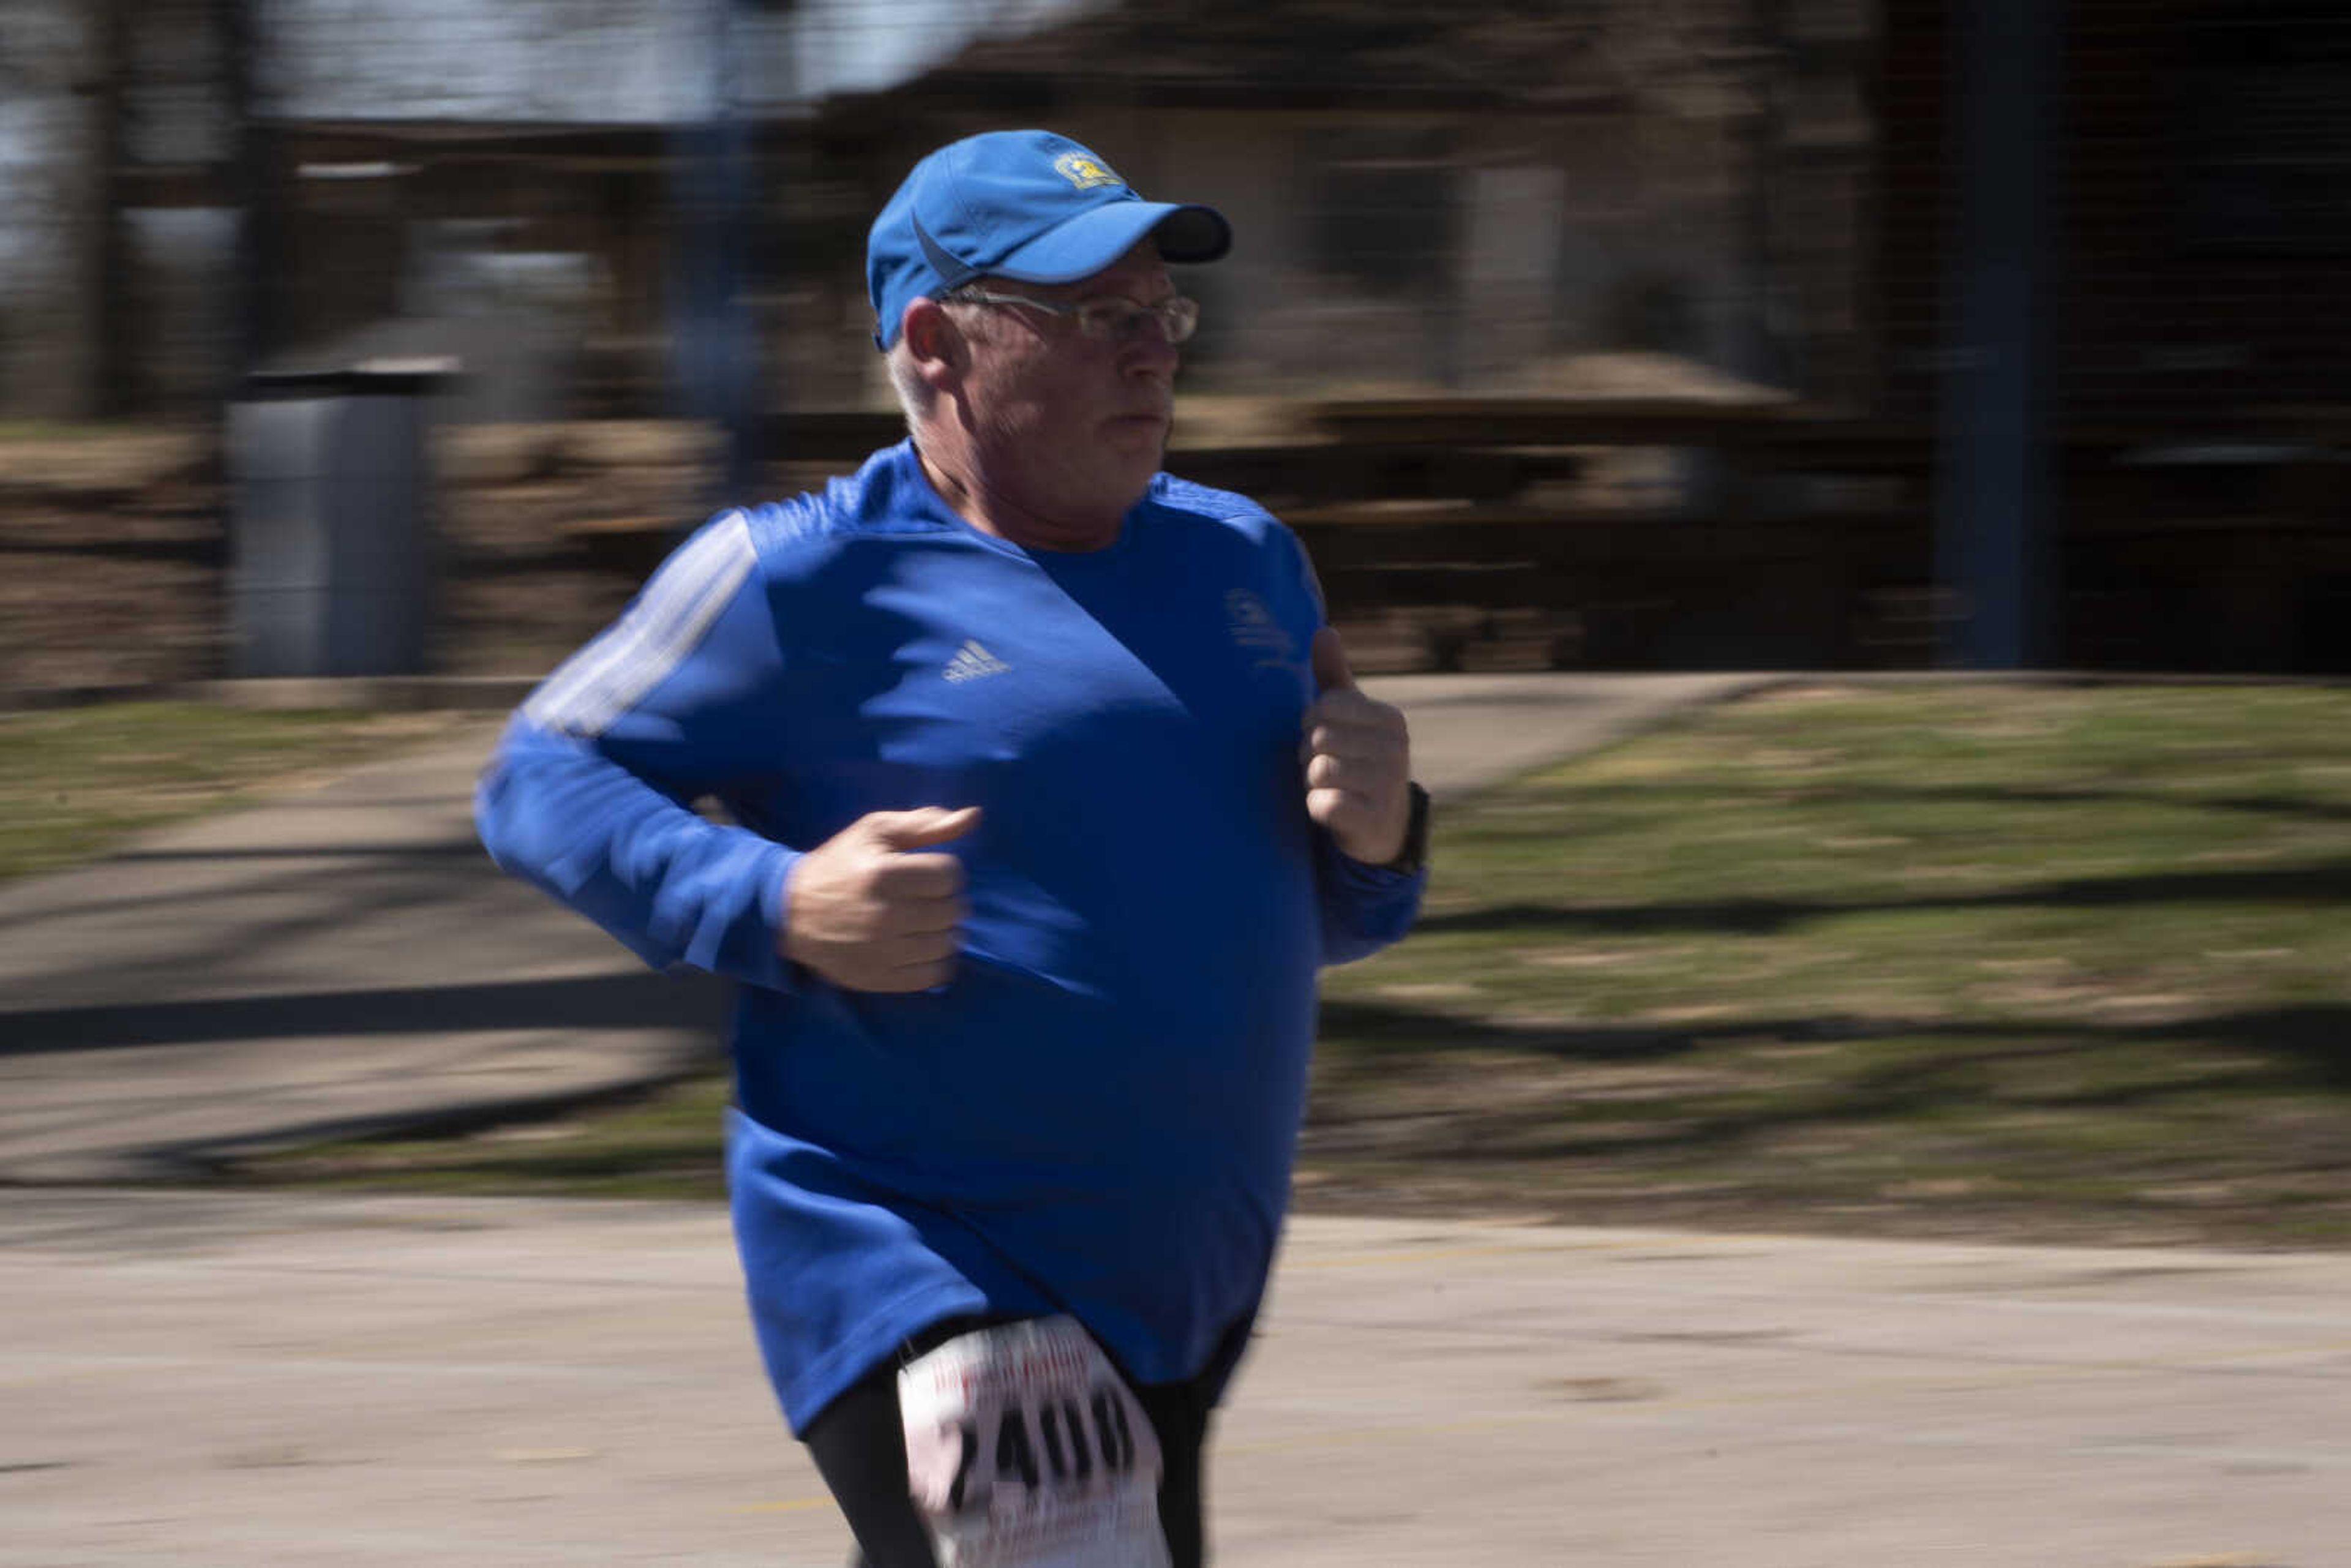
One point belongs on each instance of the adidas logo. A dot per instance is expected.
(972, 661)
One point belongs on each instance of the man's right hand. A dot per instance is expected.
(867, 914)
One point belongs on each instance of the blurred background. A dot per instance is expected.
(1601, 334)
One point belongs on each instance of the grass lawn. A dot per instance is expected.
(75, 781)
(2034, 963)
(15, 430)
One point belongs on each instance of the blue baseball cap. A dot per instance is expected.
(1023, 204)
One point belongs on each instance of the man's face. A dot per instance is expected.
(1070, 429)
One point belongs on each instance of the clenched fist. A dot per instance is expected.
(867, 912)
(1358, 762)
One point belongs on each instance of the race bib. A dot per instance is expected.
(1026, 1450)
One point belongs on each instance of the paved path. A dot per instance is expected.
(348, 957)
(332, 960)
(228, 1381)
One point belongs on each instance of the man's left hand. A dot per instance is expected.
(1358, 762)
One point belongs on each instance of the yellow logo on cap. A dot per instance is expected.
(1083, 172)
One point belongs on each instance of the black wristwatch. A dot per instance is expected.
(1415, 853)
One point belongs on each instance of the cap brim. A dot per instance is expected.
(1099, 235)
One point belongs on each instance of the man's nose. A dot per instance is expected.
(1148, 346)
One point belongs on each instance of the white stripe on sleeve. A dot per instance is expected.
(612, 674)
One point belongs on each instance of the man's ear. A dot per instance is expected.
(935, 341)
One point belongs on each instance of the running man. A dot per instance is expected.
(1051, 792)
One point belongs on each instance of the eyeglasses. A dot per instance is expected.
(1111, 318)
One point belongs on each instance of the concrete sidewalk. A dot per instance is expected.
(348, 959)
(235, 1381)
(329, 961)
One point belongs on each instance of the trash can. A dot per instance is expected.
(331, 534)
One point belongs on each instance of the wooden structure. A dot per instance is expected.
(1454, 526)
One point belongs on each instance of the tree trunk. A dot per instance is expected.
(107, 387)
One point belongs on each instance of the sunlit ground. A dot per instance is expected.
(2031, 963)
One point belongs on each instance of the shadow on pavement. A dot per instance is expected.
(2327, 886)
(596, 1003)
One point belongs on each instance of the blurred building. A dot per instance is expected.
(1461, 196)
(1699, 200)
(1427, 197)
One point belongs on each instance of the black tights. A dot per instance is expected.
(859, 1443)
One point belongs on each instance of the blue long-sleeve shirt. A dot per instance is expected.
(1097, 1114)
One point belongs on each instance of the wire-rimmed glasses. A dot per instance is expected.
(1112, 317)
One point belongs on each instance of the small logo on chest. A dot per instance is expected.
(971, 662)
(1254, 628)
